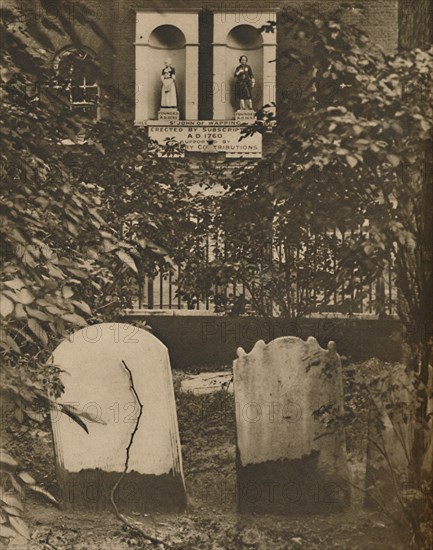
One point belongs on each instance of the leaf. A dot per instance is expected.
(425, 125)
(20, 527)
(20, 312)
(37, 314)
(127, 259)
(74, 417)
(75, 319)
(67, 292)
(352, 161)
(7, 532)
(24, 296)
(24, 476)
(72, 228)
(18, 236)
(7, 342)
(54, 310)
(83, 306)
(15, 484)
(11, 500)
(7, 459)
(44, 492)
(15, 284)
(6, 306)
(394, 160)
(11, 511)
(55, 271)
(73, 412)
(38, 331)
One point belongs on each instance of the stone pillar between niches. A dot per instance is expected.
(191, 82)
(219, 91)
(142, 83)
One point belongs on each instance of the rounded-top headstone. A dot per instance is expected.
(121, 376)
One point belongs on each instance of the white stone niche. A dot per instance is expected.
(160, 36)
(233, 38)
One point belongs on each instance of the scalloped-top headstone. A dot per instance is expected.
(104, 366)
(289, 459)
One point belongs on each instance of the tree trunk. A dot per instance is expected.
(416, 31)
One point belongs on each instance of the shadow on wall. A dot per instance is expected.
(211, 341)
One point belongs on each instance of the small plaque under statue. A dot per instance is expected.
(168, 115)
(245, 116)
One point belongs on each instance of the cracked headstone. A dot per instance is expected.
(119, 375)
(291, 456)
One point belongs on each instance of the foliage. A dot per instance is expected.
(383, 398)
(353, 148)
(12, 506)
(140, 192)
(352, 140)
(351, 153)
(352, 128)
(248, 246)
(62, 264)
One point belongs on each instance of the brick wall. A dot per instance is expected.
(379, 20)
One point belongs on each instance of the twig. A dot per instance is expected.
(47, 543)
(388, 514)
(120, 516)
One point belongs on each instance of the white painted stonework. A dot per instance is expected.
(289, 461)
(277, 387)
(97, 382)
(162, 35)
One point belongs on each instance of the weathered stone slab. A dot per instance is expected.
(288, 460)
(208, 382)
(102, 363)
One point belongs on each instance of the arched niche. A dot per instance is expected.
(166, 41)
(244, 37)
(231, 40)
(162, 35)
(243, 40)
(167, 37)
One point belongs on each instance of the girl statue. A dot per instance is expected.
(244, 83)
(168, 92)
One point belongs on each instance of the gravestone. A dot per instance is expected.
(120, 375)
(288, 459)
